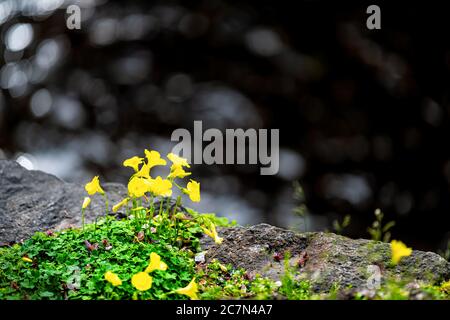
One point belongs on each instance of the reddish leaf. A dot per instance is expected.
(89, 246)
(277, 256)
(303, 259)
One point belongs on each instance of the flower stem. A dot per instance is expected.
(82, 218)
(106, 203)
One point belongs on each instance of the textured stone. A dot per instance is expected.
(323, 258)
(33, 201)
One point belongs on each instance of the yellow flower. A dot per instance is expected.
(26, 259)
(177, 171)
(137, 187)
(213, 234)
(445, 287)
(142, 281)
(154, 158)
(178, 161)
(161, 187)
(399, 250)
(193, 190)
(133, 162)
(86, 202)
(190, 290)
(94, 186)
(113, 278)
(155, 263)
(120, 204)
(144, 172)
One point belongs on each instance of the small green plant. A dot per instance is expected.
(300, 210)
(291, 288)
(218, 281)
(333, 292)
(339, 227)
(378, 231)
(446, 252)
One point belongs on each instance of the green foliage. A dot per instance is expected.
(222, 282)
(218, 221)
(394, 289)
(291, 288)
(64, 267)
(218, 281)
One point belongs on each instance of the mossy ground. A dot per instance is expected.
(71, 265)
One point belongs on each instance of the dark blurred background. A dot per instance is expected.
(363, 114)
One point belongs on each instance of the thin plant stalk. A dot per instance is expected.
(106, 202)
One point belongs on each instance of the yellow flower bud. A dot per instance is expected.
(113, 278)
(86, 202)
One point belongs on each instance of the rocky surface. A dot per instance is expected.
(34, 201)
(324, 258)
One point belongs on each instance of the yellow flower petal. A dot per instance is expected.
(133, 162)
(177, 160)
(86, 202)
(154, 158)
(155, 263)
(113, 278)
(193, 190)
(213, 234)
(142, 281)
(445, 287)
(399, 250)
(161, 187)
(120, 204)
(94, 187)
(177, 171)
(144, 172)
(137, 187)
(190, 290)
(26, 259)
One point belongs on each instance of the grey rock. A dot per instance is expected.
(324, 259)
(33, 201)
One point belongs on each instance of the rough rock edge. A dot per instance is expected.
(331, 259)
(33, 201)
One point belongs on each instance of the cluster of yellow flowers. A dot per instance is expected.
(142, 183)
(142, 281)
